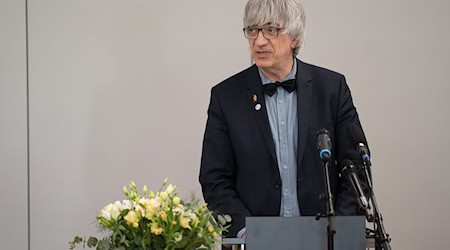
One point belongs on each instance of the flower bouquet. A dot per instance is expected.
(160, 221)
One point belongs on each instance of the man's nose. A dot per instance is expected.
(260, 39)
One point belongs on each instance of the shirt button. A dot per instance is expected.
(282, 123)
(288, 212)
(280, 101)
(285, 167)
(283, 145)
(286, 190)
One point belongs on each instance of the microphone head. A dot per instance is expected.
(363, 151)
(323, 139)
(324, 144)
(322, 131)
(346, 166)
(359, 140)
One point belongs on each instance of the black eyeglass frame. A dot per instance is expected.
(264, 30)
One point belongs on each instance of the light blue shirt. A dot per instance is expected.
(282, 113)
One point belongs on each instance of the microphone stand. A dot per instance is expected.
(331, 214)
(324, 146)
(381, 237)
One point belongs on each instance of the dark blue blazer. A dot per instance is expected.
(239, 173)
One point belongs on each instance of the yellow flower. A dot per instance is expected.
(195, 222)
(155, 229)
(174, 222)
(151, 205)
(210, 228)
(163, 215)
(184, 222)
(132, 219)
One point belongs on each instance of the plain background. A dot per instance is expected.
(96, 93)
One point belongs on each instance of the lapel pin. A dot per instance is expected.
(258, 106)
(255, 98)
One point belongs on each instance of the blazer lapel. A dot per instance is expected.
(304, 98)
(257, 106)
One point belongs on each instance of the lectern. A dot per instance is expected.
(302, 233)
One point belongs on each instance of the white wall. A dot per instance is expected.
(396, 57)
(13, 126)
(119, 92)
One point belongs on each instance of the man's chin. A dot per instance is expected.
(263, 64)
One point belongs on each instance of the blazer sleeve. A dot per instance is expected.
(218, 168)
(346, 202)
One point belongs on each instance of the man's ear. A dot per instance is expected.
(294, 43)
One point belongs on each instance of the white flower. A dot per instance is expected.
(170, 189)
(105, 212)
(178, 236)
(118, 205)
(127, 204)
(111, 211)
(115, 210)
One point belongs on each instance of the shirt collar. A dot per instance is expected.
(289, 76)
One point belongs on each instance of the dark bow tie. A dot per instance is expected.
(271, 88)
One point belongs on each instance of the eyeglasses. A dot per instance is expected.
(268, 32)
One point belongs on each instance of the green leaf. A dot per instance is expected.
(103, 245)
(77, 240)
(92, 242)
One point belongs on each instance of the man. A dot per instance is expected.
(259, 151)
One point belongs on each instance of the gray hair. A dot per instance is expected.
(288, 14)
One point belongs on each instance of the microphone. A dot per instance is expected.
(324, 144)
(364, 153)
(348, 169)
(359, 140)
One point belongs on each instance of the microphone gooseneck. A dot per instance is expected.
(348, 170)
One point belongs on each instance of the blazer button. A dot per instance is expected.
(277, 186)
